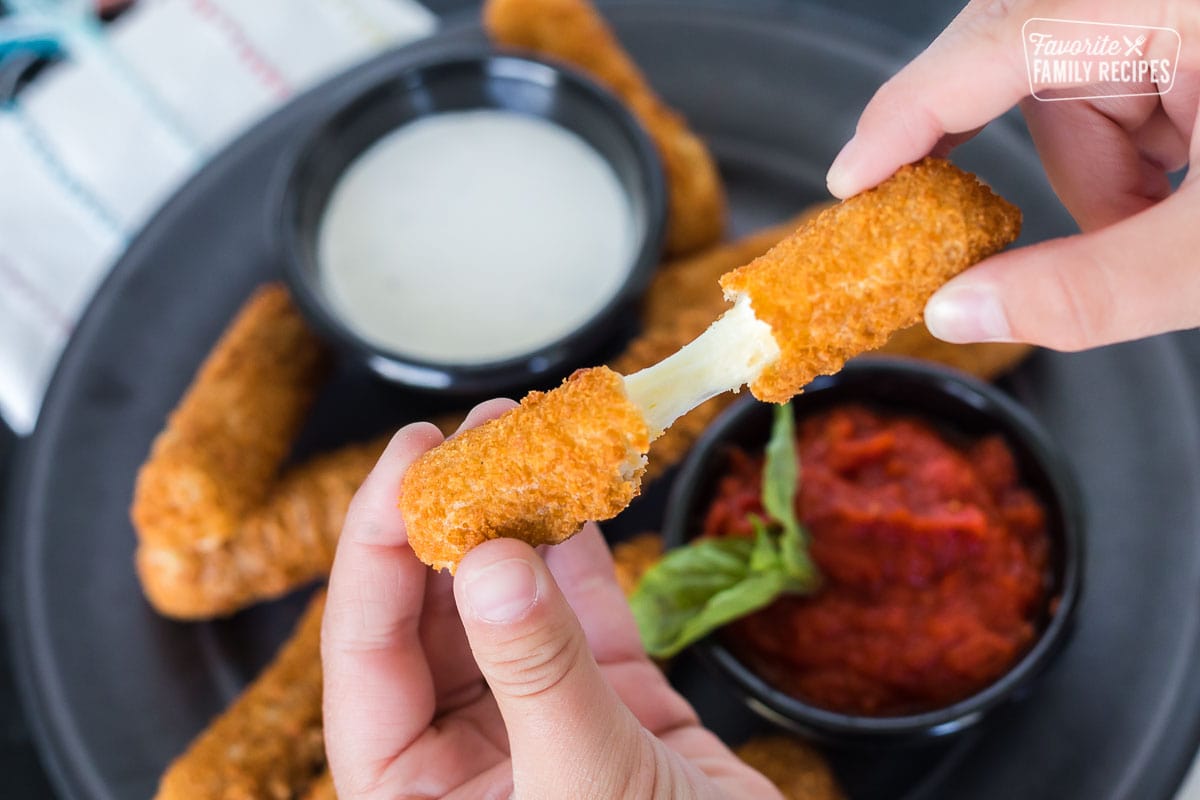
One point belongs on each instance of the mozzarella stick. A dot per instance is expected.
(863, 269)
(838, 286)
(573, 31)
(536, 473)
(797, 769)
(218, 526)
(285, 541)
(268, 744)
(218, 455)
(684, 297)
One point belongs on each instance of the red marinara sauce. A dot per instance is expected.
(934, 559)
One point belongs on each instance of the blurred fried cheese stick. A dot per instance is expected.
(268, 744)
(218, 528)
(796, 768)
(632, 557)
(838, 286)
(573, 31)
(322, 788)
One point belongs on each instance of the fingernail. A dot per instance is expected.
(967, 314)
(502, 592)
(838, 179)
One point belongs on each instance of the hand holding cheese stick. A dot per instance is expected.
(1132, 272)
(838, 286)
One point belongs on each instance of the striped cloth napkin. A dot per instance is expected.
(101, 139)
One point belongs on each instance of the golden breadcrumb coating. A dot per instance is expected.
(681, 302)
(691, 285)
(685, 296)
(536, 473)
(322, 788)
(219, 453)
(632, 557)
(267, 745)
(218, 528)
(863, 269)
(796, 768)
(573, 31)
(286, 541)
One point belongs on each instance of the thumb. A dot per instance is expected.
(569, 733)
(1135, 278)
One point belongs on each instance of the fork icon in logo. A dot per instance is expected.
(1134, 46)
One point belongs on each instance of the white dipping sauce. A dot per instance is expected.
(474, 236)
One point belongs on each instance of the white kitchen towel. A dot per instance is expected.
(101, 139)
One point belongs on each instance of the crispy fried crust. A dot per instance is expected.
(681, 302)
(632, 557)
(268, 744)
(285, 542)
(685, 296)
(797, 769)
(217, 528)
(689, 287)
(573, 31)
(863, 269)
(536, 473)
(218, 455)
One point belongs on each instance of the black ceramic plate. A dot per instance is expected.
(115, 692)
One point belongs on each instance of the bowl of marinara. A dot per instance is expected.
(948, 533)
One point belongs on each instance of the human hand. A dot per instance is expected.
(487, 685)
(1133, 270)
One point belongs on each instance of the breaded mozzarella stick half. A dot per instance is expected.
(838, 286)
(863, 269)
(536, 473)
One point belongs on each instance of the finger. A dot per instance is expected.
(485, 412)
(950, 141)
(972, 73)
(1128, 280)
(583, 568)
(1161, 142)
(569, 734)
(378, 690)
(455, 750)
(457, 680)
(456, 676)
(644, 690)
(1093, 159)
(495, 783)
(702, 747)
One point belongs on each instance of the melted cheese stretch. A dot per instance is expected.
(730, 354)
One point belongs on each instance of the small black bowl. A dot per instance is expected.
(959, 405)
(463, 80)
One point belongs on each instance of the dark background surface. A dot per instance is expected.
(20, 774)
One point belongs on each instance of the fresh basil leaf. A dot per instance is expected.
(765, 556)
(697, 588)
(781, 471)
(781, 476)
(678, 587)
(743, 598)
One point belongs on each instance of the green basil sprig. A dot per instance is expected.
(707, 583)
